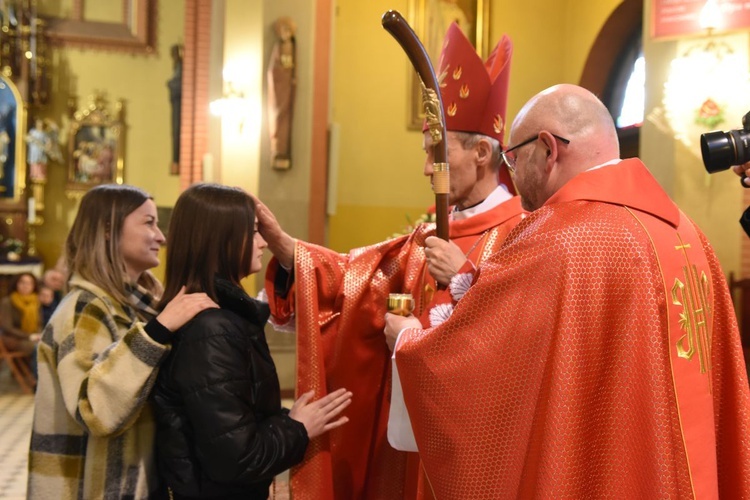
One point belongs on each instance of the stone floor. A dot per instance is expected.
(16, 412)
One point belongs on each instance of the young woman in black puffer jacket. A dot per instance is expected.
(221, 430)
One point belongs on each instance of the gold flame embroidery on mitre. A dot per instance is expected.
(498, 124)
(452, 109)
(464, 92)
(442, 76)
(457, 72)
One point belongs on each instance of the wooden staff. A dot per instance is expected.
(397, 26)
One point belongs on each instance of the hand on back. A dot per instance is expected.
(318, 416)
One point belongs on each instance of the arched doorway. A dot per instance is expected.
(612, 62)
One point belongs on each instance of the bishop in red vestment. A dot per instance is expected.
(337, 302)
(597, 353)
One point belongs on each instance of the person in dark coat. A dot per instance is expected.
(221, 429)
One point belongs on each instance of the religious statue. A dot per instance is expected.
(7, 135)
(54, 152)
(174, 85)
(39, 145)
(44, 146)
(282, 84)
(4, 148)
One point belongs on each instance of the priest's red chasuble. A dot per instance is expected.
(596, 355)
(338, 304)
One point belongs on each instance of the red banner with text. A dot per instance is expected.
(674, 18)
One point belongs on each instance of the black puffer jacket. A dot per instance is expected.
(221, 430)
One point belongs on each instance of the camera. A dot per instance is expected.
(721, 150)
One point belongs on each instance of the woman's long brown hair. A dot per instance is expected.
(92, 249)
(210, 234)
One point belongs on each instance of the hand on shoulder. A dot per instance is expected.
(183, 307)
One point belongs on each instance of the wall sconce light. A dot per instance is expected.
(710, 16)
(234, 105)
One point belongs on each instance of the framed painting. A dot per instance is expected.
(430, 20)
(95, 147)
(132, 30)
(12, 146)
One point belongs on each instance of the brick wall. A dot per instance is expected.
(195, 67)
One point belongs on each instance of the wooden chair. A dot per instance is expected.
(18, 363)
(740, 290)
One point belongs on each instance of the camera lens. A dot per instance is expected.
(721, 150)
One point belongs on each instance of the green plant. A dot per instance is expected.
(10, 245)
(429, 216)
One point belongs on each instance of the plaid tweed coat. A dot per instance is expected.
(93, 428)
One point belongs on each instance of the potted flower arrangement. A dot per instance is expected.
(428, 216)
(11, 248)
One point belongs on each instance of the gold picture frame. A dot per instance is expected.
(430, 20)
(96, 147)
(12, 146)
(135, 32)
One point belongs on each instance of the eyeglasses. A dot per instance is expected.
(510, 161)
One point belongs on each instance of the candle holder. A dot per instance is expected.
(31, 226)
(37, 192)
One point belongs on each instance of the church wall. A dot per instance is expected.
(140, 80)
(583, 22)
(287, 192)
(380, 179)
(380, 185)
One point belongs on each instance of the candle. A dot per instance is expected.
(32, 44)
(31, 216)
(208, 167)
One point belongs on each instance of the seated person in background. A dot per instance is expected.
(221, 430)
(55, 280)
(47, 303)
(20, 315)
